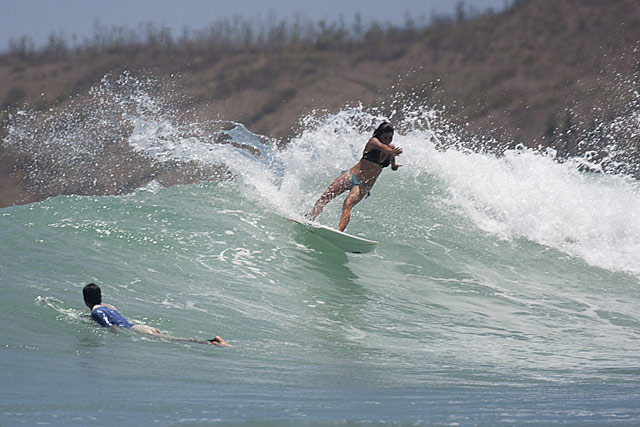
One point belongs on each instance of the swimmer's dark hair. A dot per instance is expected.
(385, 127)
(92, 294)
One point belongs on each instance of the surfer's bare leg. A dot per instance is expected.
(356, 194)
(337, 187)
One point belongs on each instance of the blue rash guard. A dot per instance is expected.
(107, 317)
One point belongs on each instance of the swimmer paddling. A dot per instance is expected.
(106, 315)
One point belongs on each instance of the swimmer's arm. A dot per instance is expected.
(217, 341)
(143, 329)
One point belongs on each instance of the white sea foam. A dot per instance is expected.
(528, 194)
(522, 194)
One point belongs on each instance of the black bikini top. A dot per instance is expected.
(374, 156)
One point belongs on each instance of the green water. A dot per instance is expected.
(504, 289)
(444, 323)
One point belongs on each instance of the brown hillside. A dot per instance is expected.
(516, 75)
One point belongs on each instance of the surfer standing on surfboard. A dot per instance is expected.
(378, 154)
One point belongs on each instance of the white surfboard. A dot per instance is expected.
(346, 242)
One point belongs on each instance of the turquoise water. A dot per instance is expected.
(504, 290)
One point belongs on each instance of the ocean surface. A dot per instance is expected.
(505, 290)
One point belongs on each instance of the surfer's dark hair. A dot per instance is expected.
(385, 127)
(92, 294)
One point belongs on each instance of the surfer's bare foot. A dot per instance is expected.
(219, 342)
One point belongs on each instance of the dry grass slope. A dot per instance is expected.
(541, 72)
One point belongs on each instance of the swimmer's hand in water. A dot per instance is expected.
(219, 342)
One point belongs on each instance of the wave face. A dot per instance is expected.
(504, 289)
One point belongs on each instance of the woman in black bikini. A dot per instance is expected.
(378, 154)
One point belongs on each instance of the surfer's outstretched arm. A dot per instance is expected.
(394, 165)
